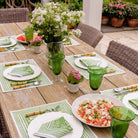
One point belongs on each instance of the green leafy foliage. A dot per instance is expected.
(132, 12)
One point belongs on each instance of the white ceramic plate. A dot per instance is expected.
(13, 42)
(36, 69)
(24, 42)
(91, 97)
(79, 64)
(129, 97)
(38, 121)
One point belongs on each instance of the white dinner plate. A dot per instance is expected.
(36, 69)
(79, 64)
(41, 119)
(91, 97)
(24, 42)
(129, 97)
(13, 42)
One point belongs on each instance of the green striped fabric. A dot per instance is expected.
(110, 92)
(58, 127)
(5, 83)
(84, 72)
(19, 46)
(22, 122)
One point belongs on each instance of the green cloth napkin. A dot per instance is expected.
(58, 127)
(24, 71)
(88, 62)
(134, 103)
(5, 41)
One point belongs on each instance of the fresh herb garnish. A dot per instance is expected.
(84, 104)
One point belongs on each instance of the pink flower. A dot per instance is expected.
(120, 13)
(31, 41)
(116, 5)
(121, 7)
(110, 4)
(72, 71)
(78, 77)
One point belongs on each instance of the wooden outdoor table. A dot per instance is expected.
(47, 94)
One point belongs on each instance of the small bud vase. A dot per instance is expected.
(73, 88)
(37, 49)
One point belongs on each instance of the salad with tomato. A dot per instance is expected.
(95, 112)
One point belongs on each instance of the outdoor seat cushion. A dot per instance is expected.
(124, 55)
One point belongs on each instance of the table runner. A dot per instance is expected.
(5, 83)
(22, 122)
(84, 72)
(19, 46)
(110, 92)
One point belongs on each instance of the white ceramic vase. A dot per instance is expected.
(73, 88)
(37, 49)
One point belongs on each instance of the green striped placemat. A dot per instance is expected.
(110, 92)
(18, 46)
(84, 72)
(73, 43)
(5, 83)
(22, 122)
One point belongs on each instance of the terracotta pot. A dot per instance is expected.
(115, 22)
(73, 88)
(105, 20)
(132, 22)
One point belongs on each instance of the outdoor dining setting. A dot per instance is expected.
(55, 83)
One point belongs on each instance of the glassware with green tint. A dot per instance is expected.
(29, 32)
(56, 62)
(95, 76)
(121, 116)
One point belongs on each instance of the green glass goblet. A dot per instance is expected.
(95, 76)
(29, 33)
(56, 62)
(121, 116)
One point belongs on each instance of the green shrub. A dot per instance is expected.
(2, 3)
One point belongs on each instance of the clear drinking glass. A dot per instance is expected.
(56, 62)
(121, 116)
(95, 76)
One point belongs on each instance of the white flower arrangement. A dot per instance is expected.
(53, 20)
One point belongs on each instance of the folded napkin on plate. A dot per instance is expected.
(58, 127)
(5, 41)
(88, 62)
(24, 71)
(134, 103)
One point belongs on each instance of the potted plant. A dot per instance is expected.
(105, 13)
(36, 43)
(117, 13)
(74, 78)
(51, 21)
(132, 16)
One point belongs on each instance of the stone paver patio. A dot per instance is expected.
(129, 38)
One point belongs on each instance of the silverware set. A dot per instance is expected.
(122, 91)
(42, 111)
(18, 85)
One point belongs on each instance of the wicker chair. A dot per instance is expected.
(11, 15)
(3, 130)
(23, 4)
(90, 35)
(123, 55)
